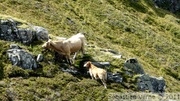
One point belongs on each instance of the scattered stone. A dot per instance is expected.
(39, 58)
(117, 56)
(71, 71)
(109, 50)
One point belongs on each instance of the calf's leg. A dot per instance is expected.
(91, 75)
(104, 83)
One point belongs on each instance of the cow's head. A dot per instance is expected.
(46, 44)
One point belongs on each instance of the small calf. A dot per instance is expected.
(96, 72)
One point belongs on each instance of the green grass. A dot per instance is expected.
(134, 29)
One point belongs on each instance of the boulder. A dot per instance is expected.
(8, 30)
(11, 30)
(21, 58)
(115, 77)
(153, 84)
(26, 36)
(170, 5)
(41, 33)
(132, 67)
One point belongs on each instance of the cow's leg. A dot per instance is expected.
(68, 59)
(82, 50)
(92, 77)
(96, 76)
(75, 55)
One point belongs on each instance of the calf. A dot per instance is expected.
(96, 72)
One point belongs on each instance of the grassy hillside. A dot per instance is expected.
(135, 29)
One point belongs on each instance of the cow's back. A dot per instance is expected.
(74, 44)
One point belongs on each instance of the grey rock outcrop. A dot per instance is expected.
(41, 33)
(171, 5)
(21, 58)
(153, 84)
(144, 81)
(132, 67)
(11, 30)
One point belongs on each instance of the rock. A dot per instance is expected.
(101, 64)
(117, 56)
(39, 58)
(41, 33)
(21, 58)
(115, 77)
(14, 46)
(153, 84)
(71, 71)
(132, 60)
(26, 36)
(10, 30)
(158, 84)
(144, 81)
(171, 5)
(110, 50)
(132, 67)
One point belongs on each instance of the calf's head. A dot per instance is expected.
(87, 64)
